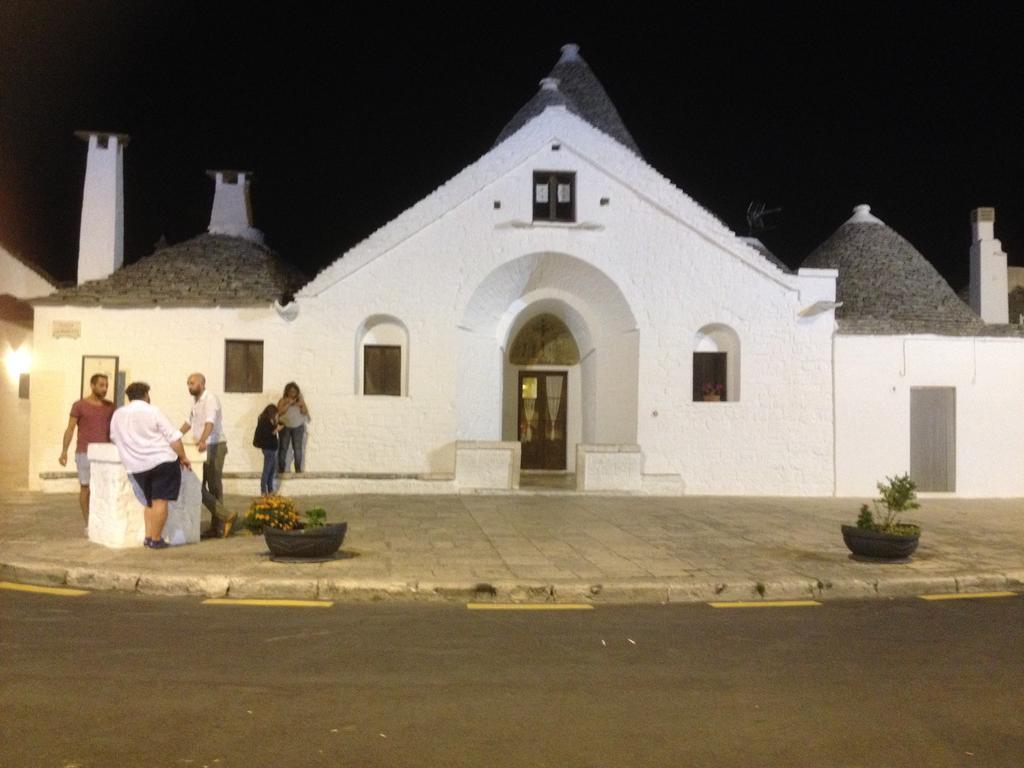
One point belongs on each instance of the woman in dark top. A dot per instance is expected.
(266, 439)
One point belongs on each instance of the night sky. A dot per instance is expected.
(350, 114)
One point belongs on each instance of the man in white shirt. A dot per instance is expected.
(207, 429)
(152, 452)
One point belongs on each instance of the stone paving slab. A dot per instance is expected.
(540, 548)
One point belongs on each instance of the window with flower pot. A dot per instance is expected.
(716, 365)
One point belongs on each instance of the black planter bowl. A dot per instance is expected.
(879, 545)
(317, 542)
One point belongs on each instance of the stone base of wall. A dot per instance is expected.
(608, 467)
(340, 483)
(663, 485)
(481, 465)
(116, 517)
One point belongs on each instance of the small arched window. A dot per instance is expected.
(716, 364)
(382, 357)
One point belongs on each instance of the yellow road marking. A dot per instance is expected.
(64, 591)
(270, 603)
(767, 604)
(967, 595)
(529, 607)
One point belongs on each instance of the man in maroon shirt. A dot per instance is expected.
(92, 416)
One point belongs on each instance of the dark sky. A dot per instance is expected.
(350, 112)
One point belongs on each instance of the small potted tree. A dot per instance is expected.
(879, 532)
(289, 536)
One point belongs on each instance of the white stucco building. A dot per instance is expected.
(20, 281)
(560, 304)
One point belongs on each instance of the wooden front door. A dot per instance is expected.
(933, 438)
(542, 418)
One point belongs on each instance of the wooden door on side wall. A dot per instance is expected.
(933, 438)
(542, 418)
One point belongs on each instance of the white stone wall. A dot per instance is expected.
(15, 347)
(873, 380)
(672, 277)
(18, 280)
(15, 352)
(162, 347)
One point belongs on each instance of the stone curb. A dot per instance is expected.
(741, 588)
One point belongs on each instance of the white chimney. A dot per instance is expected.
(101, 242)
(232, 211)
(989, 287)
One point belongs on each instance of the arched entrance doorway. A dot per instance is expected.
(543, 352)
(540, 301)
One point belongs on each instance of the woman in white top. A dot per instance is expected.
(293, 414)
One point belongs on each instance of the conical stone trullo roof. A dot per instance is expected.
(206, 271)
(887, 286)
(572, 84)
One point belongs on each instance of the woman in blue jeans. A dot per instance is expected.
(293, 415)
(266, 440)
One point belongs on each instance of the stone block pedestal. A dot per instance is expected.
(116, 515)
(487, 465)
(609, 467)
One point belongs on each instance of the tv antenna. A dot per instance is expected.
(756, 213)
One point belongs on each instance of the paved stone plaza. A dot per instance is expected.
(541, 547)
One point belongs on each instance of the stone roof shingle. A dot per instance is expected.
(206, 271)
(581, 93)
(887, 287)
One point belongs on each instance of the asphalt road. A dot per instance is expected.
(119, 680)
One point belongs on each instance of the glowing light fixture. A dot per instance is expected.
(18, 361)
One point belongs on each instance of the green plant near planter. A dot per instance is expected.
(316, 517)
(896, 495)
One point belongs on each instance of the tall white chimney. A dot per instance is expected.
(232, 211)
(101, 241)
(989, 287)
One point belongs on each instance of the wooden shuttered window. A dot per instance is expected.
(243, 366)
(554, 196)
(382, 370)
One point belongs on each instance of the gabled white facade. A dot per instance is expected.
(635, 278)
(643, 278)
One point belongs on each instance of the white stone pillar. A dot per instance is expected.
(231, 213)
(116, 517)
(101, 238)
(989, 283)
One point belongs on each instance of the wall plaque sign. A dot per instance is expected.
(67, 329)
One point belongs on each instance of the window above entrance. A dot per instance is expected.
(544, 340)
(554, 196)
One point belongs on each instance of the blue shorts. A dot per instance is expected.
(162, 482)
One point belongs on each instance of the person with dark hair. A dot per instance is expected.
(206, 422)
(293, 414)
(152, 452)
(265, 439)
(91, 416)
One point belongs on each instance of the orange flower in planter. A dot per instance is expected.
(271, 512)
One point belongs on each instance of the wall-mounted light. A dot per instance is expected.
(17, 361)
